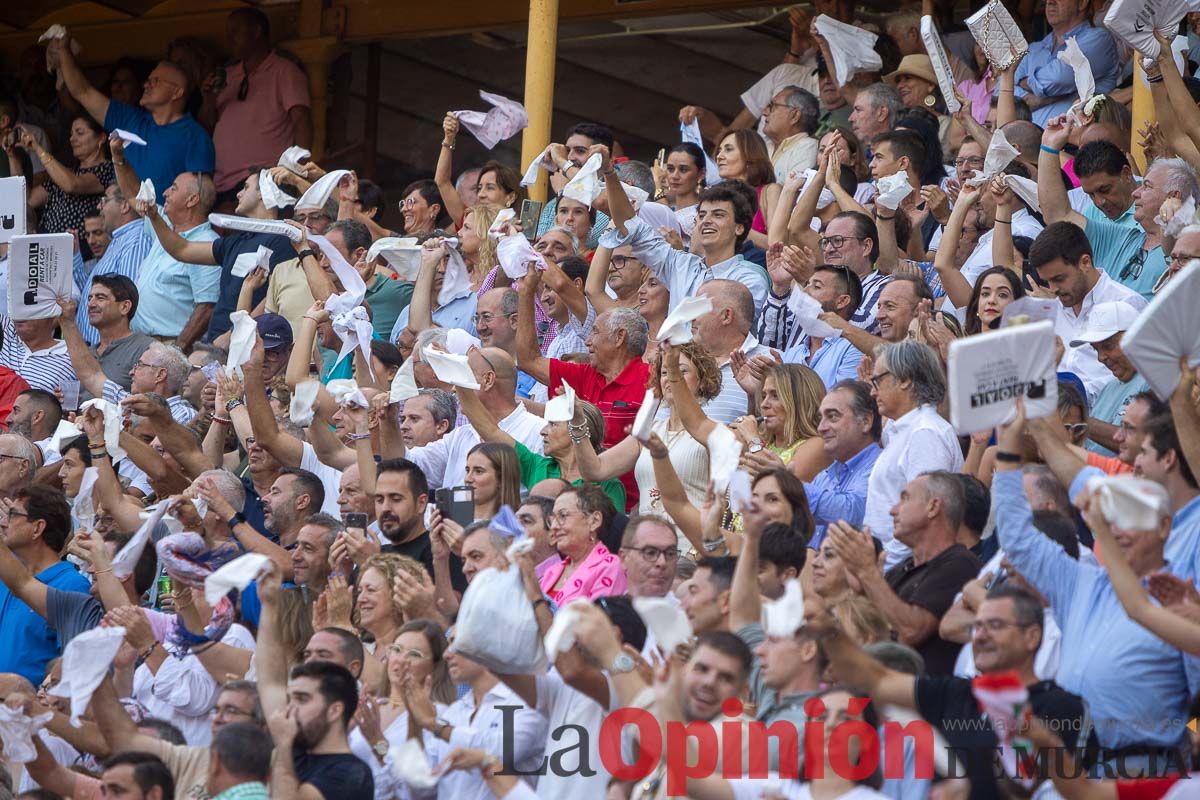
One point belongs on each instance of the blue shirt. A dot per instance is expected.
(225, 250)
(839, 492)
(179, 146)
(458, 313)
(1110, 405)
(124, 256)
(170, 290)
(1183, 544)
(1117, 249)
(1104, 652)
(27, 642)
(835, 360)
(1047, 77)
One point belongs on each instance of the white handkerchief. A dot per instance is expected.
(637, 197)
(354, 328)
(677, 327)
(941, 65)
(998, 36)
(127, 137)
(345, 392)
(347, 275)
(255, 225)
(643, 423)
(1024, 188)
(853, 49)
(241, 341)
(1085, 81)
(999, 155)
(585, 185)
(690, 132)
(411, 765)
(783, 617)
(1135, 22)
(561, 635)
(64, 433)
(292, 157)
(826, 197)
(459, 342)
(523, 545)
(272, 195)
(531, 172)
(85, 663)
(201, 506)
(404, 385)
(303, 397)
(402, 253)
(1186, 215)
(807, 311)
(665, 620)
(17, 732)
(126, 559)
(449, 368)
(503, 121)
(237, 574)
(146, 192)
(658, 215)
(740, 491)
(456, 282)
(55, 31)
(246, 263)
(506, 215)
(1166, 330)
(892, 190)
(83, 509)
(112, 425)
(724, 450)
(561, 407)
(1129, 503)
(515, 254)
(319, 192)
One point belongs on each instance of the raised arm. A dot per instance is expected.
(597, 280)
(777, 226)
(1187, 416)
(673, 494)
(20, 581)
(65, 178)
(1180, 100)
(116, 726)
(852, 665)
(529, 353)
(270, 657)
(87, 368)
(1006, 100)
(91, 98)
(287, 449)
(619, 207)
(609, 463)
(222, 661)
(745, 602)
(958, 289)
(176, 246)
(567, 291)
(698, 424)
(480, 419)
(443, 174)
(420, 308)
(177, 440)
(1052, 194)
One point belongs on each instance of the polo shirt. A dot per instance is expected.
(1118, 250)
(118, 359)
(170, 290)
(225, 250)
(458, 313)
(618, 399)
(46, 369)
(796, 152)
(179, 146)
(72, 613)
(288, 294)
(536, 467)
(27, 642)
(933, 586)
(387, 297)
(1109, 405)
(835, 360)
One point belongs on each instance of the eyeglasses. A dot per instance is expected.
(12, 512)
(231, 711)
(771, 106)
(1133, 269)
(486, 318)
(305, 219)
(410, 653)
(621, 262)
(875, 379)
(836, 242)
(562, 516)
(997, 625)
(974, 161)
(144, 364)
(652, 554)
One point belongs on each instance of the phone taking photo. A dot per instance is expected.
(354, 519)
(457, 503)
(531, 212)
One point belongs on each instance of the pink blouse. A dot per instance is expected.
(599, 575)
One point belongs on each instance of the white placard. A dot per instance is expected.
(39, 270)
(941, 64)
(12, 208)
(1165, 331)
(988, 372)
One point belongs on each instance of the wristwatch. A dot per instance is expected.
(439, 725)
(380, 748)
(230, 405)
(306, 253)
(622, 664)
(756, 446)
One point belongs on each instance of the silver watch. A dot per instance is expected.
(621, 664)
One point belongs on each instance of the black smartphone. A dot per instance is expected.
(354, 519)
(456, 503)
(531, 212)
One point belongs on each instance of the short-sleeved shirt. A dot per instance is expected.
(72, 613)
(170, 290)
(226, 250)
(536, 467)
(933, 586)
(254, 130)
(1110, 405)
(27, 642)
(179, 146)
(335, 775)
(118, 359)
(287, 291)
(618, 399)
(1118, 250)
(46, 369)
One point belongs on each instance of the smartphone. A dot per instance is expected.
(70, 390)
(531, 212)
(354, 519)
(457, 503)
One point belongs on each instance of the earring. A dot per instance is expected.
(930, 101)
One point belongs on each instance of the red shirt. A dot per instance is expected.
(1151, 788)
(11, 386)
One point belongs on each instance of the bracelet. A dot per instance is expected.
(1051, 150)
(536, 602)
(101, 571)
(794, 54)
(119, 163)
(713, 544)
(222, 420)
(1003, 221)
(147, 652)
(314, 319)
(1154, 78)
(1006, 91)
(448, 145)
(879, 216)
(206, 646)
(305, 253)
(358, 437)
(1008, 458)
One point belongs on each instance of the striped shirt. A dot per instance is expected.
(124, 256)
(45, 369)
(181, 410)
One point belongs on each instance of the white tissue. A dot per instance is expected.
(503, 121)
(272, 195)
(241, 341)
(456, 282)
(1024, 188)
(853, 49)
(237, 574)
(515, 254)
(17, 731)
(411, 765)
(1129, 503)
(643, 423)
(112, 425)
(126, 559)
(999, 155)
(246, 263)
(404, 385)
(345, 392)
(724, 450)
(318, 194)
(292, 157)
(1085, 81)
(892, 190)
(83, 509)
(561, 407)
(585, 184)
(255, 225)
(303, 397)
(677, 327)
(127, 137)
(783, 617)
(146, 192)
(740, 491)
(531, 172)
(690, 132)
(85, 663)
(561, 635)
(665, 620)
(807, 311)
(402, 253)
(459, 342)
(449, 368)
(506, 215)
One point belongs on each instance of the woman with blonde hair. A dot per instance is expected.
(477, 248)
(789, 405)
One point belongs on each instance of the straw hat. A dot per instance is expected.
(917, 65)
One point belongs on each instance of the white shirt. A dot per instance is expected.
(1023, 224)
(1082, 360)
(388, 785)
(575, 715)
(445, 461)
(486, 731)
(918, 442)
(804, 75)
(330, 478)
(731, 402)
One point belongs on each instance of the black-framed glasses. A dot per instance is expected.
(1133, 268)
(620, 262)
(13, 512)
(875, 379)
(836, 242)
(652, 554)
(974, 161)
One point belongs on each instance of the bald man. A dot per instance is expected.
(445, 461)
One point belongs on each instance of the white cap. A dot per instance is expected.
(1106, 319)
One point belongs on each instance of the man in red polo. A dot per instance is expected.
(615, 377)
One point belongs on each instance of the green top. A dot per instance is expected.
(387, 298)
(245, 791)
(536, 468)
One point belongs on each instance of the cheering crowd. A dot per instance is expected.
(295, 505)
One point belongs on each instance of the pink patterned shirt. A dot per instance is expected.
(599, 575)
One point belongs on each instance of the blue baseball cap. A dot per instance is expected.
(276, 332)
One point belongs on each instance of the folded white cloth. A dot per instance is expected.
(55, 31)
(1085, 81)
(459, 342)
(807, 311)
(853, 49)
(85, 662)
(740, 491)
(505, 215)
(1129, 503)
(17, 731)
(345, 392)
(456, 282)
(64, 432)
(272, 195)
(402, 253)
(677, 327)
(112, 425)
(561, 407)
(355, 288)
(585, 185)
(1024, 188)
(503, 121)
(146, 192)
(255, 225)
(724, 451)
(561, 635)
(127, 137)
(126, 559)
(241, 341)
(515, 254)
(643, 423)
(82, 508)
(1135, 21)
(665, 620)
(657, 215)
(941, 64)
(999, 155)
(303, 397)
(783, 617)
(318, 194)
(826, 197)
(236, 574)
(893, 189)
(690, 132)
(450, 368)
(292, 157)
(411, 765)
(246, 263)
(404, 384)
(531, 172)
(354, 328)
